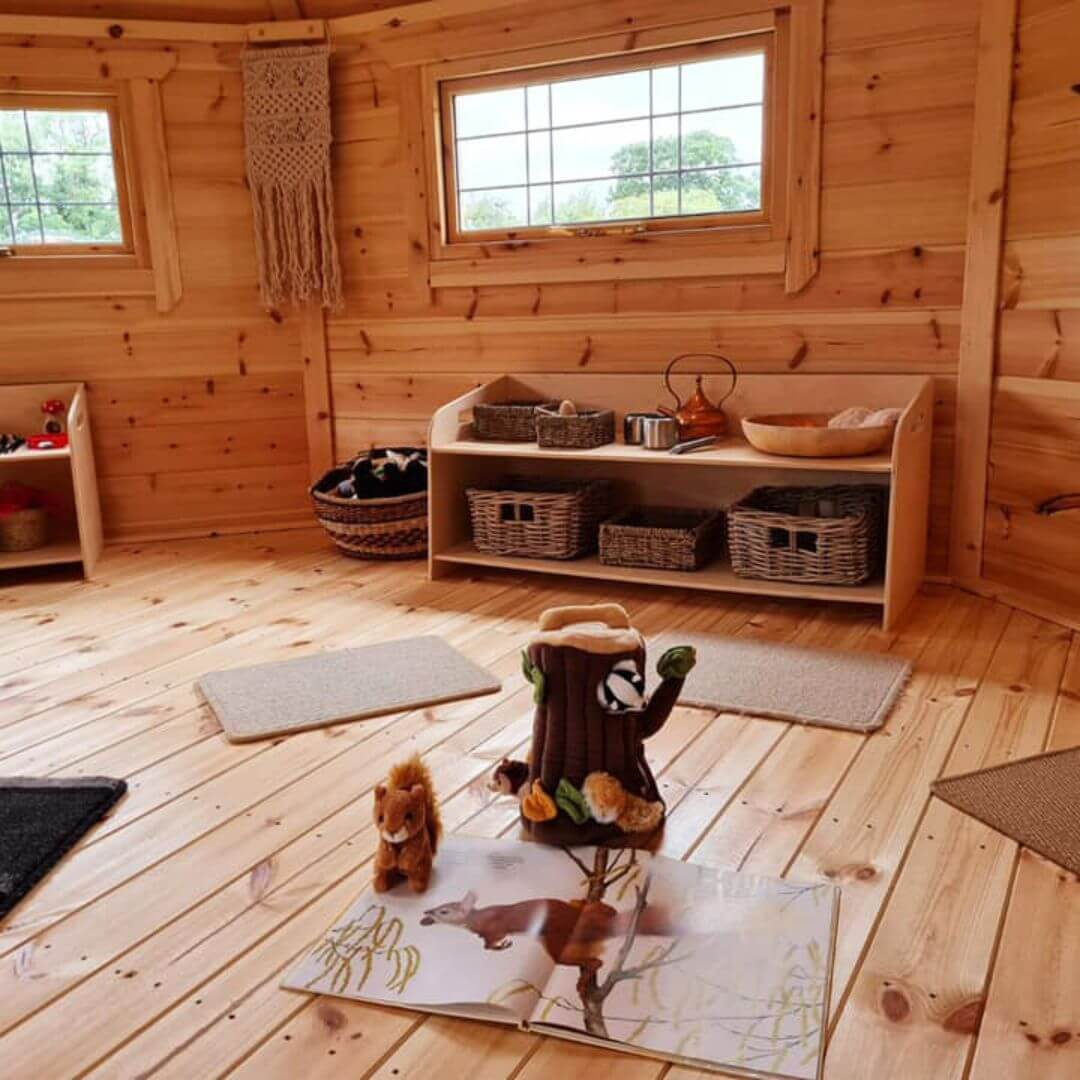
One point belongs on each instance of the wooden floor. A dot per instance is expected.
(157, 946)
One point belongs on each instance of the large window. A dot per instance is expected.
(61, 178)
(676, 138)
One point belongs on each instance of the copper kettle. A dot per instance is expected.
(699, 417)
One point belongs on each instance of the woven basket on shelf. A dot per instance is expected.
(390, 528)
(662, 537)
(541, 519)
(506, 421)
(826, 536)
(24, 530)
(580, 431)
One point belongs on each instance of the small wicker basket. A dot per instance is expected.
(825, 536)
(662, 537)
(582, 430)
(506, 421)
(383, 529)
(24, 530)
(542, 519)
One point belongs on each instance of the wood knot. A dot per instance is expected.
(115, 31)
(865, 873)
(332, 1017)
(895, 1005)
(1060, 1038)
(965, 1020)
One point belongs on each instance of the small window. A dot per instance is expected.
(676, 138)
(62, 183)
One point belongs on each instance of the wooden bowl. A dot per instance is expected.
(809, 435)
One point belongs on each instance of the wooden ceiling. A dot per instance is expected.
(239, 11)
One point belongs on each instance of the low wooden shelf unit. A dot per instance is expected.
(714, 477)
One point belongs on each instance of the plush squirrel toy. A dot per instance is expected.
(586, 780)
(407, 818)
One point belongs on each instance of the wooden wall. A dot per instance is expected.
(197, 414)
(897, 140)
(1035, 427)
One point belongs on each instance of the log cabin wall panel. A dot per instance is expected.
(198, 414)
(899, 83)
(1033, 534)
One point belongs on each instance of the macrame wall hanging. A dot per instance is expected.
(287, 150)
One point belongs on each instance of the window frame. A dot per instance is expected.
(75, 100)
(773, 121)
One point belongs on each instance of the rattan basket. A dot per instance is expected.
(506, 421)
(662, 537)
(541, 519)
(581, 431)
(826, 536)
(24, 530)
(383, 529)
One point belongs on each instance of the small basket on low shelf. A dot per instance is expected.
(506, 421)
(540, 519)
(568, 427)
(824, 536)
(24, 530)
(365, 525)
(662, 537)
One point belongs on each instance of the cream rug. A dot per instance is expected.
(267, 700)
(1034, 801)
(851, 690)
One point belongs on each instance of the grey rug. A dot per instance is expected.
(851, 690)
(273, 699)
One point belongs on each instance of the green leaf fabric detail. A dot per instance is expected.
(571, 802)
(677, 662)
(534, 675)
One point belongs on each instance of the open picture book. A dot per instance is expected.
(615, 947)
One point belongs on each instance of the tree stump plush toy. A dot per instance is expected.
(407, 819)
(587, 780)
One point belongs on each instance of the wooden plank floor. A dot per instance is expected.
(156, 947)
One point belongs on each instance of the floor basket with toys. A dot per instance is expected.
(587, 780)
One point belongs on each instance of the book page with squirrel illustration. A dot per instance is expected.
(473, 943)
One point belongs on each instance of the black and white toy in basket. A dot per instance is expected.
(623, 689)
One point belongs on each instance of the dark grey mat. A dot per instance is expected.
(268, 700)
(40, 820)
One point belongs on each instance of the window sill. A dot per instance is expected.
(39, 277)
(525, 263)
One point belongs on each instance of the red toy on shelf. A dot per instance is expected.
(46, 442)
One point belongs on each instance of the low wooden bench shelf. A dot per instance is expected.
(714, 477)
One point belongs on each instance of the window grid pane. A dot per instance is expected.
(58, 178)
(645, 157)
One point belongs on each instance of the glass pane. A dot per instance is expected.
(721, 190)
(539, 156)
(6, 235)
(605, 97)
(490, 112)
(666, 143)
(725, 137)
(66, 178)
(665, 90)
(27, 227)
(20, 181)
(540, 206)
(603, 150)
(64, 129)
(596, 200)
(491, 162)
(81, 224)
(665, 194)
(504, 209)
(12, 130)
(629, 198)
(734, 80)
(539, 114)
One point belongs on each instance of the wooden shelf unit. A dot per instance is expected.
(713, 478)
(67, 473)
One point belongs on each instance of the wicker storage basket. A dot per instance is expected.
(543, 519)
(582, 431)
(827, 536)
(390, 528)
(667, 538)
(24, 530)
(506, 421)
